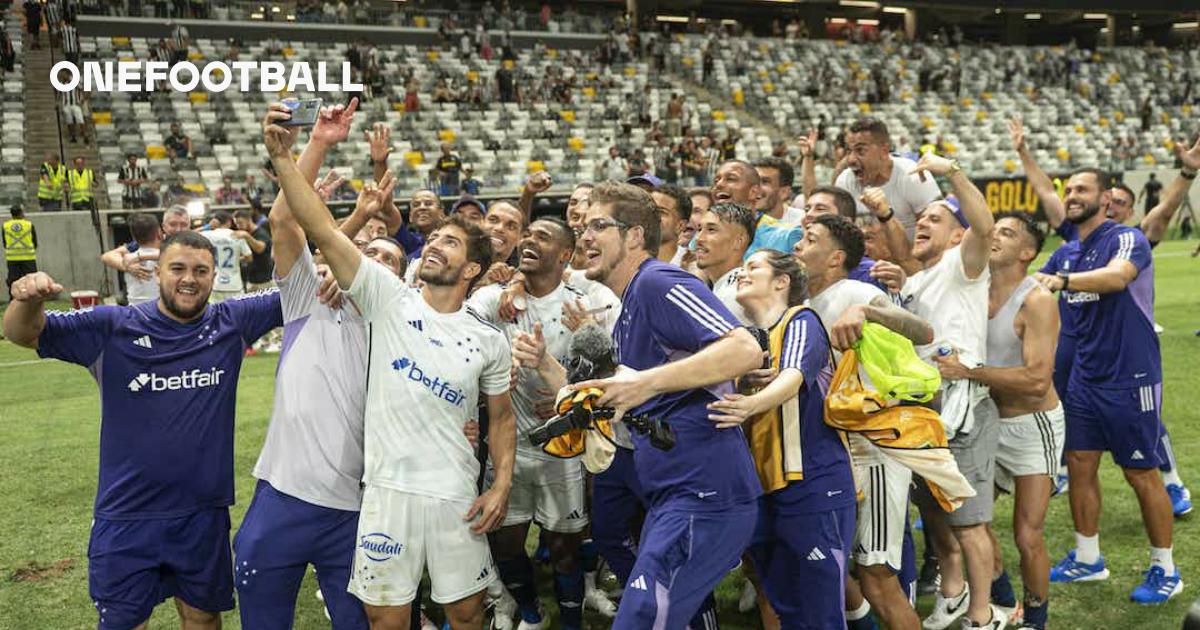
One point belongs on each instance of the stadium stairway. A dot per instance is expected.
(42, 127)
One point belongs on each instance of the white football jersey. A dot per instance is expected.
(546, 310)
(425, 374)
(230, 251)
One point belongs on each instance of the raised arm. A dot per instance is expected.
(847, 330)
(333, 126)
(536, 184)
(379, 139)
(976, 242)
(893, 231)
(1046, 193)
(309, 211)
(25, 316)
(1154, 224)
(808, 166)
(1039, 319)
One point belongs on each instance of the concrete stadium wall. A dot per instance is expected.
(68, 249)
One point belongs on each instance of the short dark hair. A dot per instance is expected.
(1102, 176)
(746, 166)
(842, 198)
(403, 254)
(244, 214)
(143, 227)
(1127, 189)
(737, 215)
(222, 217)
(683, 201)
(787, 175)
(700, 192)
(849, 238)
(516, 205)
(1031, 228)
(875, 127)
(568, 235)
(785, 264)
(17, 211)
(188, 238)
(634, 207)
(479, 245)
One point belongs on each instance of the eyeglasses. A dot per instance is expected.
(596, 226)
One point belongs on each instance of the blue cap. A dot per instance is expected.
(955, 207)
(468, 201)
(649, 179)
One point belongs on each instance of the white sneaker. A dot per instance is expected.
(504, 609)
(749, 599)
(947, 609)
(999, 621)
(598, 601)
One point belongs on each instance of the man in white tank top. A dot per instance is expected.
(951, 242)
(1022, 334)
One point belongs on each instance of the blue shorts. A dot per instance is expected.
(802, 559)
(681, 558)
(1124, 422)
(280, 536)
(617, 502)
(134, 566)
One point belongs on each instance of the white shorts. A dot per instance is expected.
(72, 114)
(879, 537)
(548, 492)
(400, 535)
(1030, 444)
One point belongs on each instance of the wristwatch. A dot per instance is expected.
(891, 213)
(1066, 278)
(954, 168)
(1186, 174)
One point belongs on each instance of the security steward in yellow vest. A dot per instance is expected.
(81, 180)
(51, 183)
(20, 247)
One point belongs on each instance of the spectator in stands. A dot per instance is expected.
(710, 159)
(614, 167)
(71, 102)
(448, 166)
(133, 178)
(82, 183)
(442, 93)
(470, 184)
(729, 146)
(52, 182)
(52, 14)
(227, 194)
(675, 116)
(251, 191)
(70, 42)
(411, 102)
(33, 22)
(8, 54)
(178, 144)
(506, 83)
(179, 41)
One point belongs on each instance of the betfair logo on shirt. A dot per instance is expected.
(438, 387)
(195, 379)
